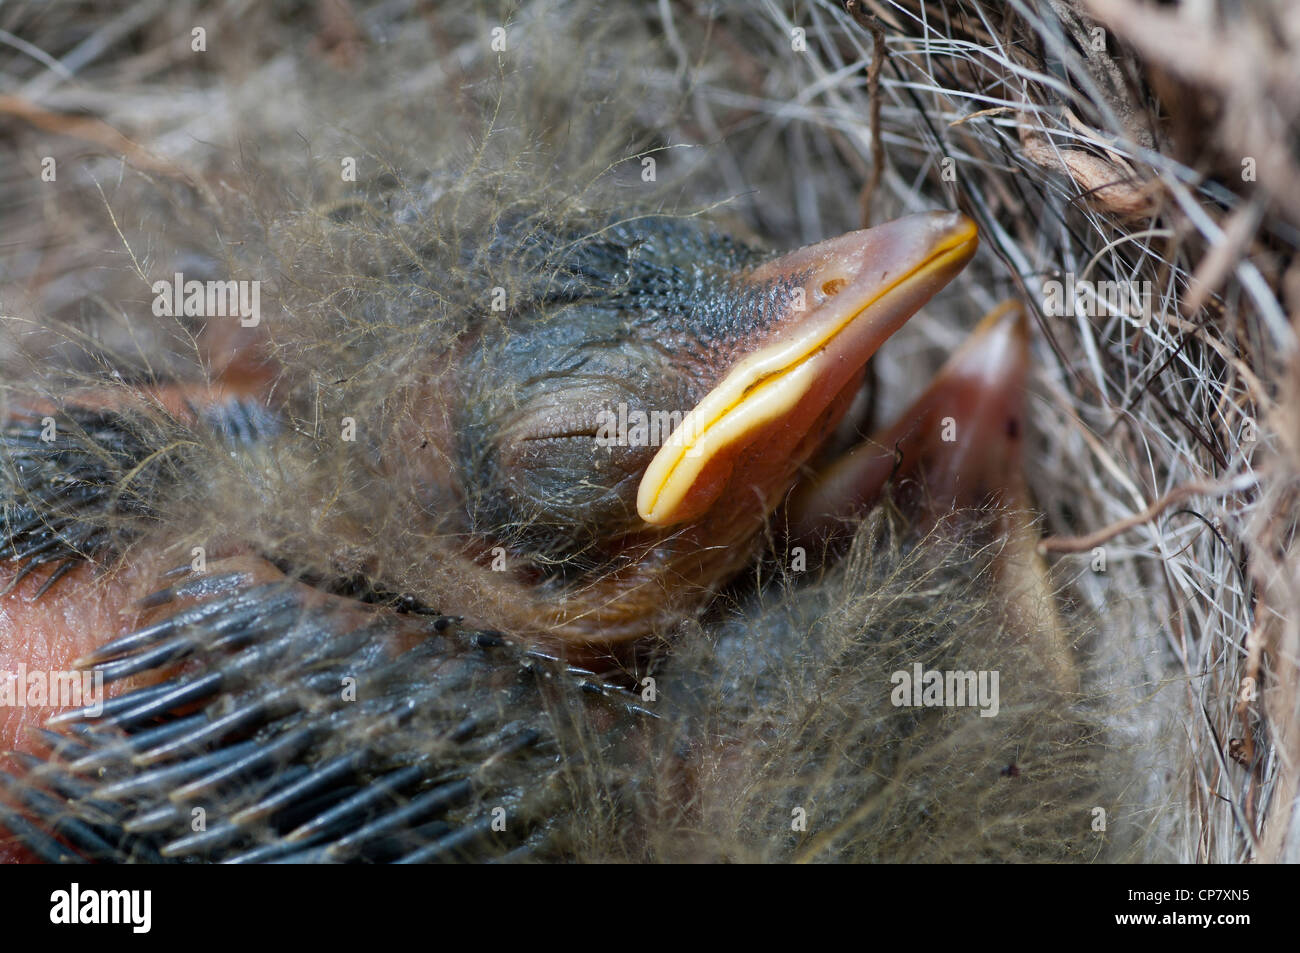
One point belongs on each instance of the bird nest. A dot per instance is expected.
(1131, 169)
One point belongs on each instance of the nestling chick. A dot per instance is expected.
(391, 580)
(733, 371)
(327, 730)
(765, 354)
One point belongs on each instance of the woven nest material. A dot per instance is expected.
(1093, 142)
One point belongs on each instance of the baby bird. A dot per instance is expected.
(575, 632)
(660, 398)
(605, 537)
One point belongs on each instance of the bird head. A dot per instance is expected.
(625, 427)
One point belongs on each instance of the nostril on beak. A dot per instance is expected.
(834, 286)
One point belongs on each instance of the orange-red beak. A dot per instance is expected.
(957, 445)
(855, 291)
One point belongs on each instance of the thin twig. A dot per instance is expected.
(1079, 544)
(869, 22)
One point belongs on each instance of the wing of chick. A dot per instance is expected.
(266, 719)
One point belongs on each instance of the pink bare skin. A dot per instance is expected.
(89, 607)
(49, 634)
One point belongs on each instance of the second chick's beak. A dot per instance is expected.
(958, 446)
(629, 428)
